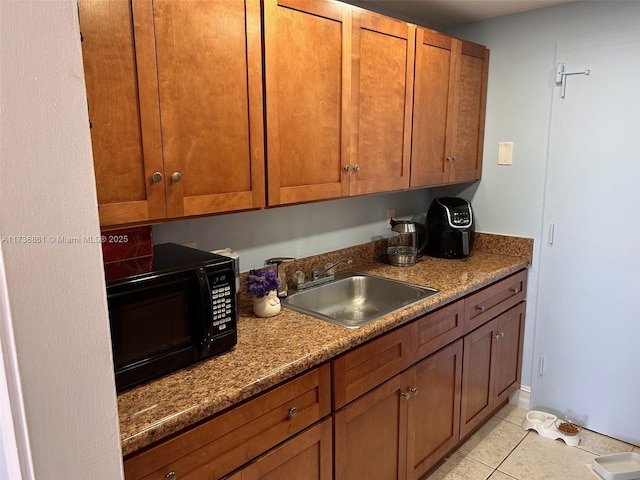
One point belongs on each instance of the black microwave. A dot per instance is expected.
(171, 311)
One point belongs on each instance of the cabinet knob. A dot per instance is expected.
(499, 336)
(480, 308)
(156, 177)
(406, 395)
(449, 159)
(293, 411)
(454, 159)
(413, 390)
(356, 167)
(515, 290)
(347, 168)
(171, 476)
(176, 177)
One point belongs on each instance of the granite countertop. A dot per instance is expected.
(272, 350)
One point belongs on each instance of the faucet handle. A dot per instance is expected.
(278, 260)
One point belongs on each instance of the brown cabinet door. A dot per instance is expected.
(468, 116)
(307, 456)
(433, 99)
(510, 333)
(210, 80)
(477, 377)
(434, 409)
(307, 77)
(492, 366)
(370, 434)
(122, 92)
(449, 109)
(381, 100)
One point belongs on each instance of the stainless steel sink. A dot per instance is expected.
(355, 299)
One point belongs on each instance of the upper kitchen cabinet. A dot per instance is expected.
(450, 93)
(122, 90)
(307, 75)
(338, 100)
(182, 81)
(381, 103)
(210, 80)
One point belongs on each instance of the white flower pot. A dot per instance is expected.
(267, 306)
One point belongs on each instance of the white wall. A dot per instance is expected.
(509, 199)
(56, 295)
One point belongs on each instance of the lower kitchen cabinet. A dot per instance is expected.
(491, 368)
(434, 409)
(225, 443)
(406, 425)
(399, 403)
(306, 456)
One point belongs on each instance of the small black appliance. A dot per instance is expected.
(178, 310)
(450, 225)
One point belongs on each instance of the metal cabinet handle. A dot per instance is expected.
(171, 476)
(480, 308)
(414, 390)
(347, 168)
(515, 289)
(156, 177)
(499, 336)
(406, 395)
(356, 167)
(176, 177)
(293, 411)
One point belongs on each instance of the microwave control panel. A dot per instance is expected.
(222, 302)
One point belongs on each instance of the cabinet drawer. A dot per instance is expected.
(439, 328)
(367, 366)
(230, 440)
(493, 300)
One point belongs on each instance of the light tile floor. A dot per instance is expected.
(502, 450)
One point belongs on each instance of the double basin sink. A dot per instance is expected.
(355, 299)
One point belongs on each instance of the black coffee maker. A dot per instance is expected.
(451, 227)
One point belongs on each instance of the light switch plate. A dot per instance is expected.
(505, 153)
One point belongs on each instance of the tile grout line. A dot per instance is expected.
(510, 452)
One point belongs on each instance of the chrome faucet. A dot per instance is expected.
(315, 273)
(279, 264)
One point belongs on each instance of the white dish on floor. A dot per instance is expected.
(619, 466)
(545, 424)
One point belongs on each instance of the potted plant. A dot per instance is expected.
(263, 286)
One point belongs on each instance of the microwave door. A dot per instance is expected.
(151, 329)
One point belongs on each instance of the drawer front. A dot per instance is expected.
(491, 301)
(367, 366)
(439, 328)
(230, 440)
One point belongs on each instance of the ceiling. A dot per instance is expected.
(444, 14)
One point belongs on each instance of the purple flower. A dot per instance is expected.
(261, 282)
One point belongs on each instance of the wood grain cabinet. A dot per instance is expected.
(175, 104)
(450, 93)
(338, 100)
(494, 331)
(307, 456)
(403, 427)
(225, 443)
